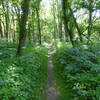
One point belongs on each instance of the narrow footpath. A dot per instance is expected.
(51, 92)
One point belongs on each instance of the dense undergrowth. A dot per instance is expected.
(22, 78)
(78, 72)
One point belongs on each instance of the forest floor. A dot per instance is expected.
(51, 92)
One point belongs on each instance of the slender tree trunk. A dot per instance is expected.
(33, 26)
(76, 25)
(1, 32)
(6, 14)
(14, 29)
(7, 23)
(39, 25)
(29, 32)
(23, 21)
(60, 22)
(60, 30)
(65, 19)
(18, 14)
(4, 27)
(55, 24)
(90, 20)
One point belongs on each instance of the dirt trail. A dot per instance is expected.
(51, 92)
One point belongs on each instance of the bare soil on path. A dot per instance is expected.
(51, 92)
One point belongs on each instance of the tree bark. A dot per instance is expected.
(1, 32)
(23, 22)
(65, 19)
(60, 30)
(90, 19)
(39, 25)
(76, 25)
(6, 15)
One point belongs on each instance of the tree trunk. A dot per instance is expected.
(90, 19)
(14, 29)
(76, 25)
(33, 26)
(60, 30)
(6, 14)
(29, 32)
(65, 19)
(23, 22)
(1, 32)
(39, 26)
(7, 23)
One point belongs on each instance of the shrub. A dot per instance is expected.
(79, 70)
(23, 78)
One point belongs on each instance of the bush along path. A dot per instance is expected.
(77, 73)
(51, 92)
(25, 77)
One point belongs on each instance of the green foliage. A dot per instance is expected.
(22, 78)
(79, 73)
